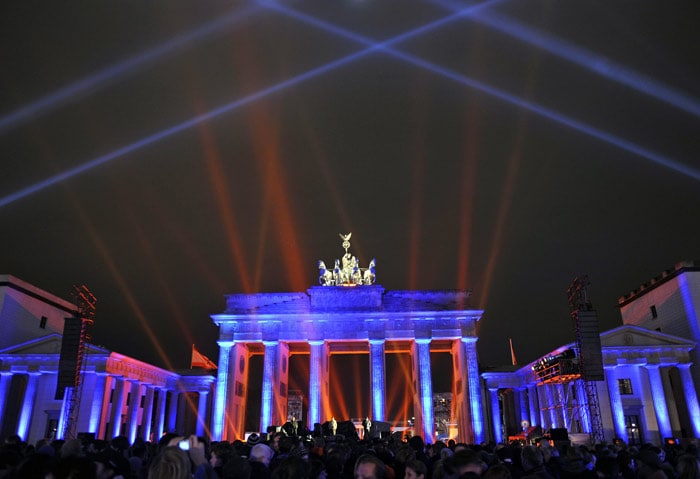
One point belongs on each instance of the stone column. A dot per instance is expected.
(524, 414)
(117, 407)
(658, 397)
(106, 398)
(202, 412)
(318, 382)
(160, 413)
(473, 380)
(25, 415)
(171, 417)
(274, 387)
(220, 411)
(460, 388)
(132, 411)
(618, 413)
(496, 419)
(182, 407)
(267, 406)
(534, 405)
(97, 402)
(147, 416)
(423, 408)
(5, 378)
(691, 397)
(377, 365)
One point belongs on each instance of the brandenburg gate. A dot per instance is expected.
(347, 313)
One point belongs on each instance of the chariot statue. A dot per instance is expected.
(346, 270)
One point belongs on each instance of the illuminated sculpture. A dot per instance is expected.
(350, 274)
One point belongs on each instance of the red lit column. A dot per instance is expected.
(234, 427)
(460, 401)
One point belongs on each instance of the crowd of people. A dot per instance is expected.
(283, 456)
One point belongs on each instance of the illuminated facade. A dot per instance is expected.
(362, 319)
(648, 394)
(120, 395)
(669, 303)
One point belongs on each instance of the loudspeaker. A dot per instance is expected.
(559, 434)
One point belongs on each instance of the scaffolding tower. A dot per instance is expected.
(85, 301)
(589, 349)
(561, 374)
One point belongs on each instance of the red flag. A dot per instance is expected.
(512, 353)
(201, 361)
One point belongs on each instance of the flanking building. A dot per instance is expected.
(119, 395)
(651, 374)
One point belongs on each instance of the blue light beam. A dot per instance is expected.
(584, 58)
(111, 74)
(497, 93)
(163, 134)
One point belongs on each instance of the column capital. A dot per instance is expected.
(422, 340)
(225, 343)
(316, 342)
(469, 339)
(274, 342)
(379, 341)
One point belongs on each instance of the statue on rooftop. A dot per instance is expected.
(346, 271)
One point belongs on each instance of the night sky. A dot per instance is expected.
(166, 154)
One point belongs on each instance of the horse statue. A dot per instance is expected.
(370, 273)
(325, 277)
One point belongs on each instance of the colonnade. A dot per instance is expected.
(232, 382)
(649, 396)
(119, 396)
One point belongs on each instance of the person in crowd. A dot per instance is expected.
(688, 467)
(532, 463)
(260, 459)
(369, 466)
(415, 469)
(171, 463)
